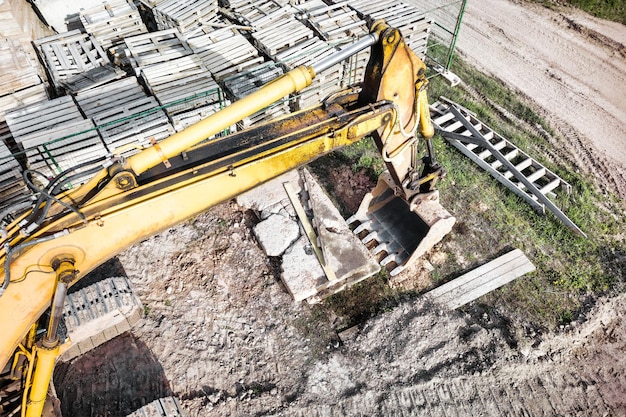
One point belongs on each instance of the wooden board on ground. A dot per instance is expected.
(482, 280)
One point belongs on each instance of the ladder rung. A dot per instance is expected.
(536, 175)
(440, 120)
(520, 167)
(484, 154)
(497, 164)
(550, 186)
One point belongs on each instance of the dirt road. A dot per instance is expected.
(570, 65)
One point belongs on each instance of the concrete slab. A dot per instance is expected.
(482, 280)
(343, 250)
(269, 194)
(276, 234)
(301, 271)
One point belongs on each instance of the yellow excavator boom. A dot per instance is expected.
(169, 182)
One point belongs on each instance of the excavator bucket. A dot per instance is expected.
(401, 219)
(396, 232)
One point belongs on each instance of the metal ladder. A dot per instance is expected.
(511, 166)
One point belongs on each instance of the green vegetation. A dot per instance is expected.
(614, 10)
(491, 220)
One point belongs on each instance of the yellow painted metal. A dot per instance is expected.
(146, 211)
(291, 82)
(427, 129)
(46, 358)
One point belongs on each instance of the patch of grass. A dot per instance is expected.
(614, 10)
(568, 266)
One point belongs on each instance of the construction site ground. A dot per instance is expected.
(221, 333)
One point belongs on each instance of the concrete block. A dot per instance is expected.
(276, 234)
(301, 271)
(270, 193)
(343, 251)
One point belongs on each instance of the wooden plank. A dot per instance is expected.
(482, 280)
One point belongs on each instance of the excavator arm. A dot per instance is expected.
(65, 236)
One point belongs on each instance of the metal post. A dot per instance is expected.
(455, 35)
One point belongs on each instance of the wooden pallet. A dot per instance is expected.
(17, 70)
(481, 280)
(92, 78)
(240, 85)
(35, 120)
(155, 48)
(163, 407)
(26, 96)
(99, 312)
(68, 54)
(124, 114)
(12, 187)
(66, 146)
(55, 136)
(333, 23)
(307, 53)
(112, 21)
(512, 167)
(259, 13)
(183, 86)
(281, 35)
(184, 16)
(224, 51)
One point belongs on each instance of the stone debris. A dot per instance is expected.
(279, 233)
(276, 234)
(301, 271)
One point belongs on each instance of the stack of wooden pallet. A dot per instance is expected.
(414, 26)
(281, 33)
(125, 115)
(186, 89)
(12, 187)
(112, 21)
(243, 83)
(224, 51)
(257, 13)
(184, 16)
(175, 76)
(155, 47)
(20, 82)
(339, 25)
(55, 136)
(308, 53)
(72, 54)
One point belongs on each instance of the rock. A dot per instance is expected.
(302, 272)
(276, 234)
